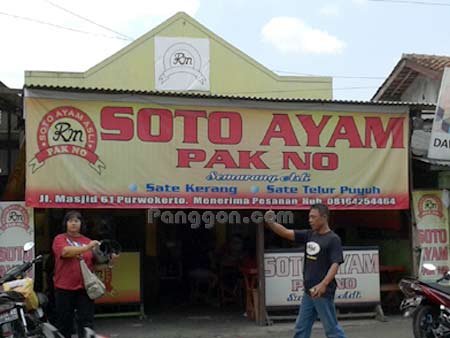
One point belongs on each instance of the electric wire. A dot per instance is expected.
(412, 2)
(88, 20)
(59, 26)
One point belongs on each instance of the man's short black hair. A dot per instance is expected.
(323, 210)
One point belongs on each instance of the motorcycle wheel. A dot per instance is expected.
(425, 318)
(13, 329)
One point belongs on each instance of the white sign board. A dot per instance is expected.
(440, 135)
(358, 278)
(181, 64)
(16, 228)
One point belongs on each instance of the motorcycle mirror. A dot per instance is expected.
(28, 246)
(430, 267)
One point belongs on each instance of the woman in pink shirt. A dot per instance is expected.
(68, 248)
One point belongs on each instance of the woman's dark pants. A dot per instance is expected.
(72, 304)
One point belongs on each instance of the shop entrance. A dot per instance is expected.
(200, 267)
(169, 267)
(198, 270)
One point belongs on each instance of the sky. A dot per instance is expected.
(357, 42)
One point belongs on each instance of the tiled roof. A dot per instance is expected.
(407, 70)
(434, 62)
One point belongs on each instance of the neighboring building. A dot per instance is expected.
(418, 78)
(12, 133)
(415, 78)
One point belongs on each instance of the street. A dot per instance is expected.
(223, 327)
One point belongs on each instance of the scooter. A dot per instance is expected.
(429, 305)
(21, 313)
(443, 329)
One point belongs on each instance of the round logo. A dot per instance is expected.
(430, 205)
(15, 216)
(312, 248)
(67, 131)
(182, 58)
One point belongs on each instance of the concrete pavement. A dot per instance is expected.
(232, 326)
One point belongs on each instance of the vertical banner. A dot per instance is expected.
(16, 228)
(440, 135)
(181, 64)
(358, 278)
(431, 213)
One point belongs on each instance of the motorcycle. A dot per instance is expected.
(429, 305)
(21, 308)
(21, 313)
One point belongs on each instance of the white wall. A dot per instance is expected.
(422, 89)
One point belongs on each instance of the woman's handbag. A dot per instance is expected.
(93, 285)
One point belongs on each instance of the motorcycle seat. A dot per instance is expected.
(12, 295)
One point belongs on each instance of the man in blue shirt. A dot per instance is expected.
(323, 255)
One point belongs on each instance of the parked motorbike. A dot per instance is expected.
(21, 308)
(21, 313)
(429, 305)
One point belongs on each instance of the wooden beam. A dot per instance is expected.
(435, 75)
(261, 317)
(402, 82)
(395, 73)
